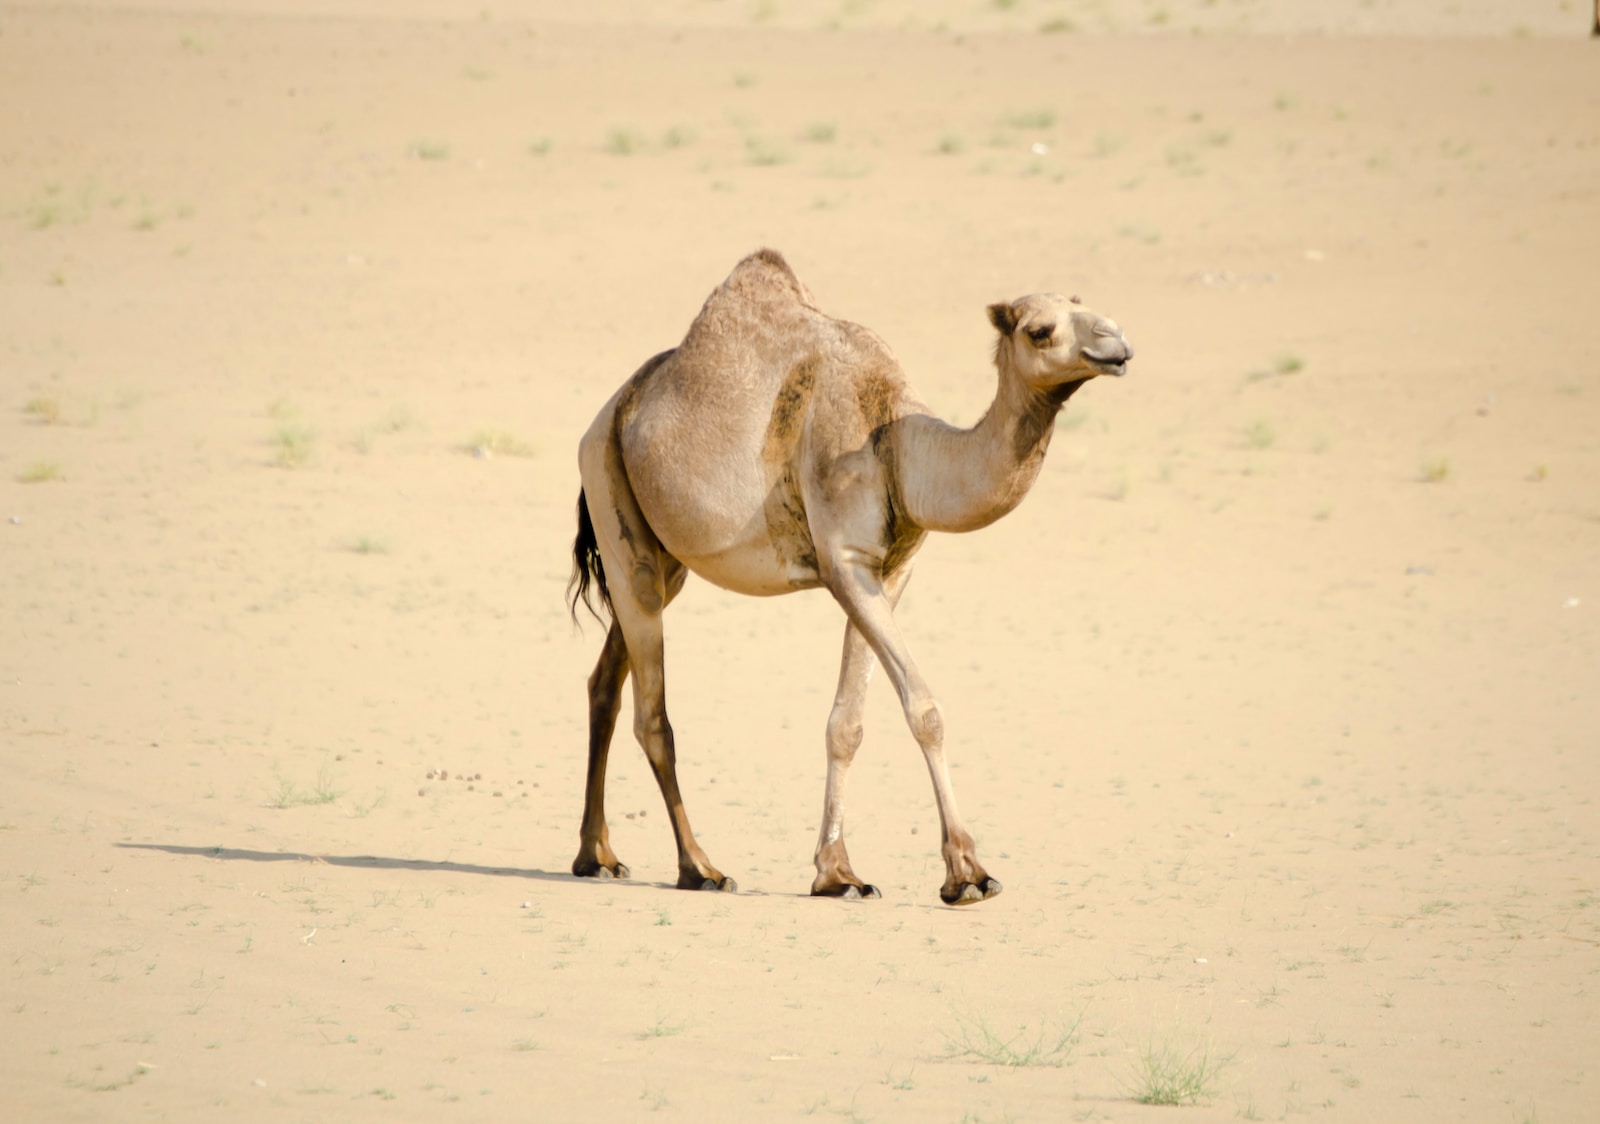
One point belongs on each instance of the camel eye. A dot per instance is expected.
(1041, 336)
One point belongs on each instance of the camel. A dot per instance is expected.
(779, 449)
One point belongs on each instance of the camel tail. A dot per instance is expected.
(586, 566)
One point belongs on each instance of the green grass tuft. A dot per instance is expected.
(293, 443)
(488, 443)
(1170, 1074)
(1051, 1045)
(1259, 434)
(40, 472)
(47, 410)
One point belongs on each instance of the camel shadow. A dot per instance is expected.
(366, 862)
(385, 862)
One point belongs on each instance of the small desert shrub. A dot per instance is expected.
(47, 410)
(1169, 1074)
(500, 443)
(1259, 434)
(1051, 1045)
(292, 443)
(1032, 119)
(40, 472)
(623, 142)
(764, 153)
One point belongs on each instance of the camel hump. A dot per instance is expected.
(765, 275)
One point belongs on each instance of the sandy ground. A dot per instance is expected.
(1274, 707)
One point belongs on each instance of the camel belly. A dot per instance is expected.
(755, 571)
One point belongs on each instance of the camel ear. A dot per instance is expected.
(1003, 319)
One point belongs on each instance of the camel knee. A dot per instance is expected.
(648, 726)
(648, 588)
(927, 724)
(844, 735)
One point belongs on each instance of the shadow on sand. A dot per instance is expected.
(384, 862)
(374, 862)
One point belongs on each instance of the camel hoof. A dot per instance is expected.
(969, 892)
(598, 870)
(848, 891)
(697, 882)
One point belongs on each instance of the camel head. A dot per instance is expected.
(1052, 341)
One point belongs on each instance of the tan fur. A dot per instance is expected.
(779, 449)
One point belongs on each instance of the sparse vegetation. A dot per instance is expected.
(1032, 119)
(764, 153)
(488, 443)
(1435, 470)
(1259, 434)
(679, 136)
(431, 150)
(664, 1029)
(46, 410)
(622, 141)
(1169, 1073)
(289, 795)
(293, 443)
(1050, 1045)
(40, 472)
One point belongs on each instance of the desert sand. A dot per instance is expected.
(1274, 707)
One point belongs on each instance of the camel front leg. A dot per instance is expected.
(856, 585)
(835, 878)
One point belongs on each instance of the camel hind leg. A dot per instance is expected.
(642, 579)
(595, 858)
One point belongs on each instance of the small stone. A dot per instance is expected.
(422, 792)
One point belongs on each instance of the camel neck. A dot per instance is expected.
(963, 479)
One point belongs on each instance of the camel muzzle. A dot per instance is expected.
(1112, 357)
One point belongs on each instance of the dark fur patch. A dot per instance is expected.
(1003, 319)
(1038, 420)
(876, 396)
(787, 525)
